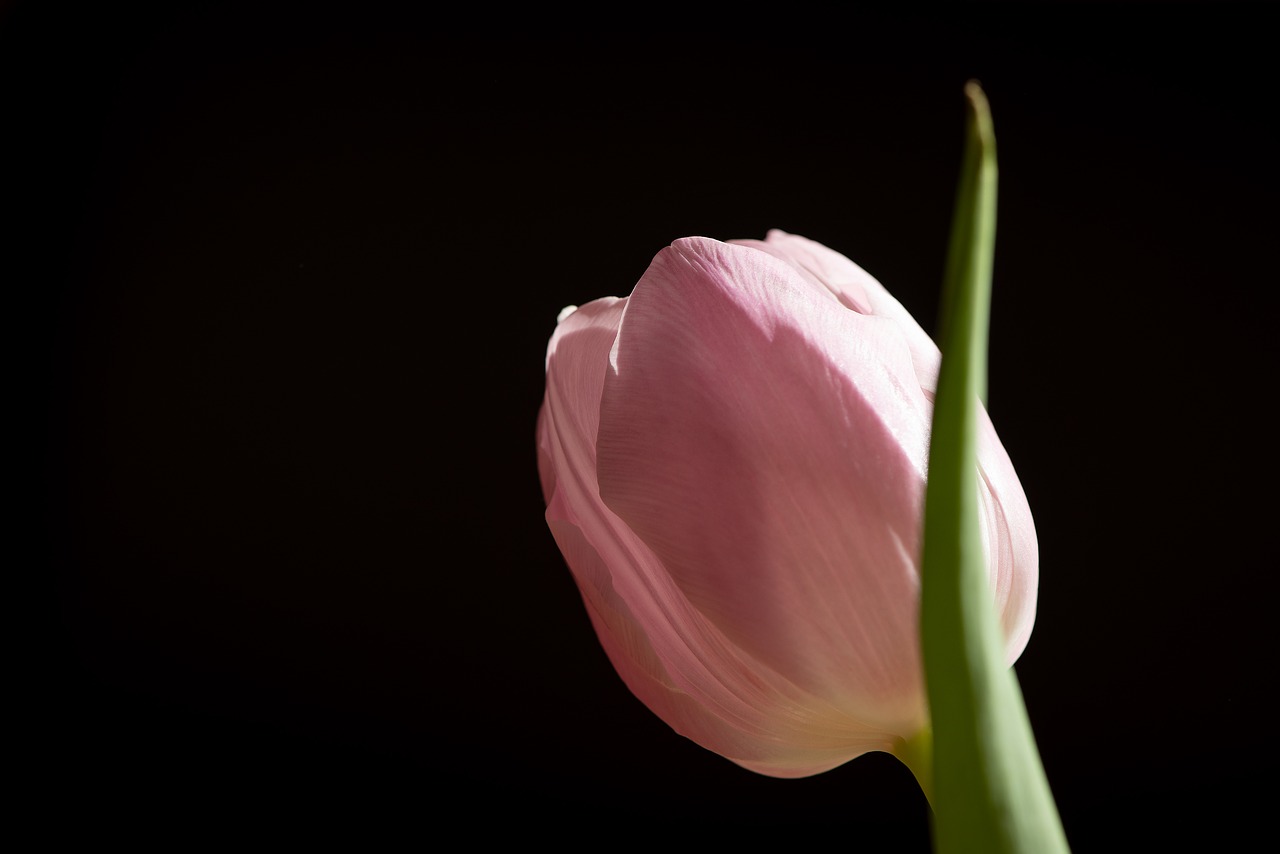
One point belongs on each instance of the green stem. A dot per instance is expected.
(992, 794)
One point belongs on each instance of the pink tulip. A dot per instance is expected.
(733, 460)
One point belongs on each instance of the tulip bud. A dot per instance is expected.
(734, 460)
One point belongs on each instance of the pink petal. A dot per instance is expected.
(768, 446)
(856, 289)
(577, 358)
(1008, 529)
(727, 704)
(1009, 537)
(672, 658)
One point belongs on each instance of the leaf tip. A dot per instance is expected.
(980, 114)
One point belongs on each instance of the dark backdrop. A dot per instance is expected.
(284, 281)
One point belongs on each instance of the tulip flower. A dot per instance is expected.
(734, 461)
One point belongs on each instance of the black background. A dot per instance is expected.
(286, 276)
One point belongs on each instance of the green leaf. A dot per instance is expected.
(990, 793)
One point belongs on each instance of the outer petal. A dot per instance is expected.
(1008, 529)
(705, 690)
(577, 357)
(856, 289)
(769, 447)
(670, 656)
(1009, 536)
